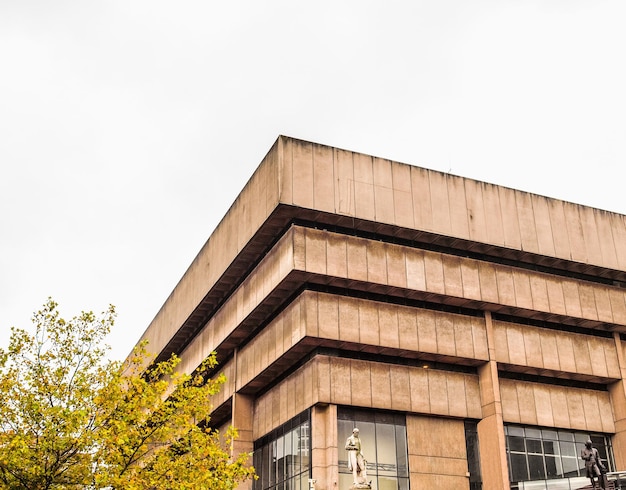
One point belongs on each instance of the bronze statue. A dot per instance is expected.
(593, 464)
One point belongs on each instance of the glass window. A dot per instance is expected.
(542, 457)
(383, 438)
(281, 458)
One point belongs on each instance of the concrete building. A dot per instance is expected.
(473, 333)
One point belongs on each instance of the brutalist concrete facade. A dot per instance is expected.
(341, 281)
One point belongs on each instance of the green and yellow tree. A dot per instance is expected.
(71, 419)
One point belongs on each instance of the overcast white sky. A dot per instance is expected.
(127, 128)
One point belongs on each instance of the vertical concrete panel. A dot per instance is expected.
(315, 251)
(479, 335)
(463, 341)
(457, 402)
(340, 382)
(438, 390)
(344, 187)
(415, 270)
(376, 262)
(381, 385)
(476, 212)
(515, 343)
(510, 220)
(396, 266)
(596, 353)
(581, 354)
(303, 169)
(388, 326)
(605, 237)
(336, 255)
(526, 403)
(362, 383)
(532, 347)
(510, 405)
(402, 195)
(549, 350)
(587, 301)
(575, 232)
(603, 304)
(566, 352)
(506, 289)
(357, 259)
(555, 295)
(575, 409)
(618, 305)
(400, 388)
(458, 206)
(349, 320)
(472, 397)
(426, 331)
(523, 293)
(525, 215)
(543, 405)
(492, 207)
(407, 329)
(606, 413)
(558, 396)
(539, 291)
(328, 316)
(323, 379)
(285, 163)
(488, 284)
(440, 203)
(541, 212)
(323, 178)
(572, 298)
(559, 228)
(618, 227)
(420, 393)
(501, 342)
(470, 279)
(364, 187)
(445, 334)
(369, 328)
(433, 270)
(453, 282)
(590, 235)
(383, 191)
(590, 411)
(420, 189)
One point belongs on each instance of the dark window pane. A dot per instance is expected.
(553, 467)
(534, 446)
(516, 443)
(550, 447)
(515, 431)
(519, 471)
(401, 451)
(536, 468)
(566, 436)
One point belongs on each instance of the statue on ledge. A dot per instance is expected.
(356, 461)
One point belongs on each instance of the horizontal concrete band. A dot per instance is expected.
(353, 185)
(368, 384)
(308, 255)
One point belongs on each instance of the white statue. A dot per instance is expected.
(356, 460)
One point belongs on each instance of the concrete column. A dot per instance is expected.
(242, 414)
(617, 391)
(324, 455)
(493, 461)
